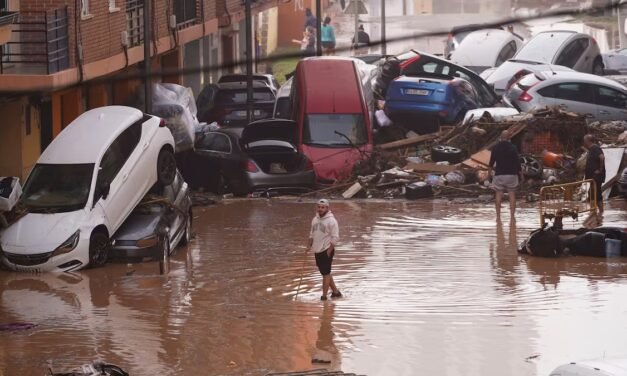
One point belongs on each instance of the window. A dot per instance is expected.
(85, 8)
(333, 130)
(572, 53)
(185, 11)
(610, 97)
(506, 53)
(116, 156)
(112, 6)
(215, 142)
(569, 92)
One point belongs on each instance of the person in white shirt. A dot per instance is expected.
(323, 238)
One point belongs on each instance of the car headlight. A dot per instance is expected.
(68, 245)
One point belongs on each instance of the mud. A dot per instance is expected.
(430, 288)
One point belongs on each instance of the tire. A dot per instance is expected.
(598, 68)
(99, 246)
(531, 166)
(187, 235)
(166, 167)
(445, 153)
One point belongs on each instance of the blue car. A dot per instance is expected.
(423, 103)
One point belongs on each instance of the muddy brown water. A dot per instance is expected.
(430, 288)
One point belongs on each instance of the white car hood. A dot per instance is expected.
(501, 75)
(40, 233)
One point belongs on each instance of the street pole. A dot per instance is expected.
(318, 28)
(147, 64)
(249, 62)
(384, 47)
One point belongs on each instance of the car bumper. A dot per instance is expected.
(418, 119)
(45, 262)
(135, 253)
(259, 181)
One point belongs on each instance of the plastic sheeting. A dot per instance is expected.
(176, 105)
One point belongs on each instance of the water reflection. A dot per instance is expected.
(429, 288)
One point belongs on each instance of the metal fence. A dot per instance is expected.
(567, 200)
(40, 39)
(135, 22)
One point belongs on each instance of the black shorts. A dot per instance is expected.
(324, 261)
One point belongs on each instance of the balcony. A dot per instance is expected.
(39, 44)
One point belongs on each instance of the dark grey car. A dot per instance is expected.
(157, 226)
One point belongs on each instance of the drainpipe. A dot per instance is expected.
(147, 64)
(249, 62)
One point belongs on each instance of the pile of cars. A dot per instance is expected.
(490, 68)
(76, 208)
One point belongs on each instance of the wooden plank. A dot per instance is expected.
(408, 141)
(430, 167)
(352, 191)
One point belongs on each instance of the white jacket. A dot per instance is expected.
(324, 232)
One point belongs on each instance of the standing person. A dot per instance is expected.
(308, 43)
(323, 238)
(328, 37)
(310, 20)
(595, 166)
(507, 173)
(362, 39)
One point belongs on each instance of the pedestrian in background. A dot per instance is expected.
(310, 20)
(308, 43)
(323, 238)
(361, 41)
(328, 37)
(505, 162)
(595, 167)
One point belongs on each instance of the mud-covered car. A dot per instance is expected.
(157, 226)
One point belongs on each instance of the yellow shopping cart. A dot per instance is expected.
(567, 200)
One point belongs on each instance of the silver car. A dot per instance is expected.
(485, 49)
(597, 97)
(616, 61)
(549, 50)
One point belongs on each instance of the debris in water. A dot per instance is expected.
(15, 326)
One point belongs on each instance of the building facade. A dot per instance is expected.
(64, 57)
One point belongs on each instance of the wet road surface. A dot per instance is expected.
(430, 288)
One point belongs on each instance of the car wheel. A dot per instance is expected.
(166, 167)
(221, 185)
(187, 235)
(598, 68)
(98, 249)
(164, 247)
(445, 153)
(531, 167)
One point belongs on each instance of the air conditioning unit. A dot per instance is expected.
(124, 39)
(173, 21)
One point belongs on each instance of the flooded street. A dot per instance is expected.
(430, 288)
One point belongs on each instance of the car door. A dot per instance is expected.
(611, 103)
(575, 97)
(176, 214)
(573, 56)
(114, 170)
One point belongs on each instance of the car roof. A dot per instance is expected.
(331, 85)
(581, 77)
(89, 134)
(617, 367)
(481, 48)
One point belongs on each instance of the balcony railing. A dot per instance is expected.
(186, 12)
(39, 43)
(135, 22)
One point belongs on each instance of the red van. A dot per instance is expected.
(334, 126)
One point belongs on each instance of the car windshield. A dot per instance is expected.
(226, 97)
(58, 187)
(542, 48)
(335, 130)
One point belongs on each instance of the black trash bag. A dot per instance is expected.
(542, 243)
(589, 244)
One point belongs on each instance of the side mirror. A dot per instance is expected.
(105, 190)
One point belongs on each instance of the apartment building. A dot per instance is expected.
(66, 56)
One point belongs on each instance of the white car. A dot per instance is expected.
(587, 94)
(83, 187)
(485, 49)
(549, 50)
(282, 102)
(616, 61)
(601, 367)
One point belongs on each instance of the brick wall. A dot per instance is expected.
(100, 33)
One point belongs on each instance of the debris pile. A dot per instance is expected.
(455, 161)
